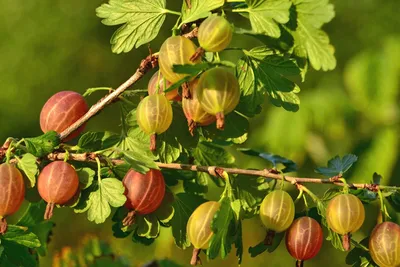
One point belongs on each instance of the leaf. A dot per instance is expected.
(198, 9)
(21, 235)
(43, 231)
(290, 166)
(42, 145)
(268, 74)
(208, 154)
(193, 70)
(250, 190)
(184, 205)
(265, 15)
(221, 225)
(33, 219)
(261, 247)
(28, 165)
(235, 130)
(86, 176)
(17, 255)
(135, 148)
(376, 178)
(359, 255)
(110, 192)
(141, 19)
(94, 141)
(309, 40)
(337, 166)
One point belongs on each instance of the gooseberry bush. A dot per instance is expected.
(177, 137)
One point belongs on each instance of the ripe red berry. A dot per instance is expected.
(61, 111)
(384, 244)
(12, 192)
(57, 184)
(144, 192)
(345, 214)
(158, 84)
(304, 239)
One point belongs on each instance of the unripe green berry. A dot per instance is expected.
(215, 34)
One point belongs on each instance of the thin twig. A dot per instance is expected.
(214, 170)
(146, 64)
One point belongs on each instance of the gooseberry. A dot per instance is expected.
(61, 111)
(195, 114)
(276, 213)
(215, 34)
(345, 214)
(384, 244)
(199, 227)
(12, 192)
(304, 239)
(154, 116)
(218, 93)
(144, 193)
(158, 84)
(176, 50)
(57, 184)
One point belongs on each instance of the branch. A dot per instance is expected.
(216, 170)
(146, 64)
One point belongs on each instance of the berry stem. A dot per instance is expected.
(199, 53)
(269, 238)
(192, 126)
(129, 219)
(186, 91)
(299, 263)
(153, 142)
(220, 120)
(195, 257)
(3, 226)
(346, 242)
(49, 211)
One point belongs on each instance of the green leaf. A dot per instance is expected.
(265, 15)
(17, 255)
(193, 70)
(269, 74)
(42, 145)
(86, 176)
(135, 148)
(28, 165)
(290, 166)
(141, 19)
(250, 190)
(198, 9)
(359, 255)
(221, 225)
(337, 166)
(376, 178)
(33, 214)
(235, 130)
(21, 235)
(184, 205)
(208, 154)
(310, 41)
(110, 192)
(261, 247)
(43, 231)
(94, 141)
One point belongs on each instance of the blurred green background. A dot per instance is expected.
(48, 46)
